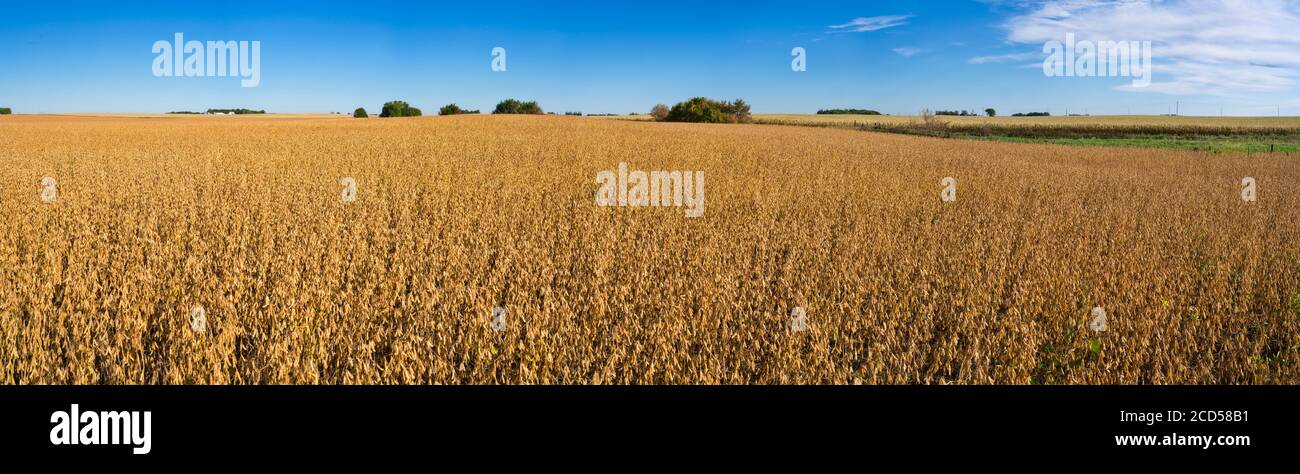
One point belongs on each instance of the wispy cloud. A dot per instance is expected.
(871, 23)
(909, 52)
(1218, 47)
(1002, 58)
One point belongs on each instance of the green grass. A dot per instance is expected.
(1288, 144)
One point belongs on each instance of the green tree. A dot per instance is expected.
(738, 110)
(512, 106)
(705, 110)
(990, 112)
(399, 108)
(360, 113)
(697, 110)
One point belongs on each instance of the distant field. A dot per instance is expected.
(32, 118)
(1094, 120)
(1225, 134)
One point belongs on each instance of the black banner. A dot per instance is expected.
(436, 422)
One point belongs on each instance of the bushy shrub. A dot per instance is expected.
(705, 110)
(659, 112)
(453, 109)
(699, 110)
(399, 108)
(360, 113)
(5, 111)
(512, 106)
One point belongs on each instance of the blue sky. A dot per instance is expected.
(607, 57)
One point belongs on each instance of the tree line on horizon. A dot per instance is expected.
(847, 112)
(695, 110)
(398, 108)
(219, 112)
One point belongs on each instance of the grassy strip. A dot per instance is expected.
(1289, 144)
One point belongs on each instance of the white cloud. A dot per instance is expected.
(1002, 58)
(1219, 47)
(909, 52)
(872, 23)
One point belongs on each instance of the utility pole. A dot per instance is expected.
(1178, 108)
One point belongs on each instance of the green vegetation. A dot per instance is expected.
(219, 112)
(1283, 144)
(512, 106)
(704, 110)
(5, 111)
(399, 108)
(360, 113)
(453, 109)
(1202, 137)
(847, 112)
(1032, 114)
